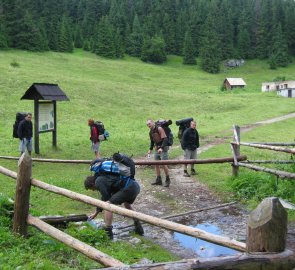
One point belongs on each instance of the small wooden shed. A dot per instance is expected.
(231, 83)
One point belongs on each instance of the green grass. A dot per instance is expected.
(123, 94)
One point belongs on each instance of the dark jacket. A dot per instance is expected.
(190, 139)
(25, 129)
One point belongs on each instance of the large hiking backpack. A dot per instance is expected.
(18, 118)
(165, 125)
(100, 130)
(183, 125)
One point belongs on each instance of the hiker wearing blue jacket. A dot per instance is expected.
(116, 184)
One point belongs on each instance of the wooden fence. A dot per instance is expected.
(235, 147)
(22, 219)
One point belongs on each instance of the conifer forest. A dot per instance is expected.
(208, 30)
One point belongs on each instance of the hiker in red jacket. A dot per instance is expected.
(94, 137)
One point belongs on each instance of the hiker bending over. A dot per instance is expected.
(190, 143)
(114, 179)
(159, 142)
(25, 134)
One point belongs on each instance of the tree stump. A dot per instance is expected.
(267, 227)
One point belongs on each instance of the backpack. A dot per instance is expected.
(126, 161)
(165, 125)
(100, 130)
(183, 125)
(18, 118)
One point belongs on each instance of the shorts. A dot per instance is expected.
(95, 147)
(26, 143)
(127, 194)
(190, 154)
(163, 155)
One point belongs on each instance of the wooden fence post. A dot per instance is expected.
(236, 150)
(22, 195)
(267, 227)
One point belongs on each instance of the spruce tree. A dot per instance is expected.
(65, 41)
(135, 40)
(279, 50)
(154, 50)
(3, 36)
(78, 38)
(105, 46)
(188, 50)
(210, 45)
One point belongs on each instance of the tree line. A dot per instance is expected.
(212, 30)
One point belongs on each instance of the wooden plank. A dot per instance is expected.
(169, 225)
(281, 174)
(275, 143)
(72, 242)
(22, 195)
(271, 161)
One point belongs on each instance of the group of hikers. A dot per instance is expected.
(114, 178)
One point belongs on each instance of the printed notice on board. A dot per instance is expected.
(46, 116)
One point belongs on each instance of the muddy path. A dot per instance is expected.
(187, 194)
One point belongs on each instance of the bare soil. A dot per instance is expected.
(186, 194)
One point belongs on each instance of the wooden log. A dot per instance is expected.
(56, 220)
(277, 261)
(271, 161)
(22, 195)
(267, 227)
(236, 150)
(281, 174)
(145, 162)
(186, 213)
(87, 250)
(269, 147)
(275, 143)
(220, 240)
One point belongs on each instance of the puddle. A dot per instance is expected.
(203, 248)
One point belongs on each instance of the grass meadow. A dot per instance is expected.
(124, 94)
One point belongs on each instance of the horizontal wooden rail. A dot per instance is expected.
(271, 161)
(281, 174)
(220, 240)
(87, 250)
(269, 147)
(275, 143)
(143, 162)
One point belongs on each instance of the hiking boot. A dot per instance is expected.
(193, 172)
(138, 228)
(109, 231)
(158, 181)
(185, 173)
(167, 181)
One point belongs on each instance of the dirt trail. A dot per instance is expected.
(186, 194)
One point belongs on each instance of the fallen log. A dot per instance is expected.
(87, 250)
(275, 143)
(57, 220)
(278, 173)
(278, 261)
(169, 225)
(144, 162)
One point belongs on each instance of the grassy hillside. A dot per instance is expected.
(124, 93)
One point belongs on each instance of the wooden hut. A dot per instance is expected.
(231, 83)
